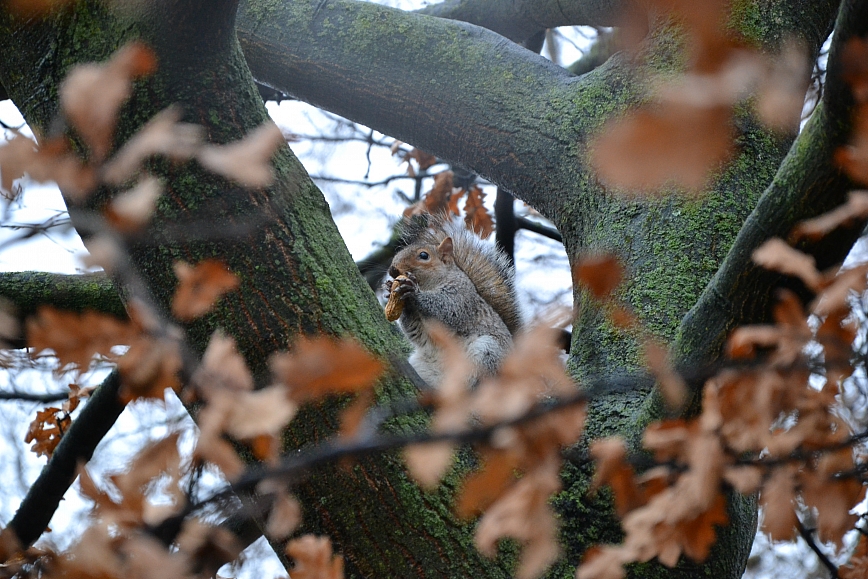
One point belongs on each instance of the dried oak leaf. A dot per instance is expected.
(285, 516)
(663, 145)
(523, 513)
(600, 274)
(314, 559)
(247, 161)
(782, 87)
(853, 157)
(439, 200)
(428, 463)
(776, 255)
(319, 366)
(91, 94)
(156, 458)
(485, 486)
(854, 65)
(612, 469)
(423, 159)
(834, 298)
(200, 287)
(831, 495)
(855, 209)
(148, 368)
(131, 210)
(476, 216)
(672, 386)
(76, 338)
(222, 367)
(779, 515)
(163, 135)
(46, 430)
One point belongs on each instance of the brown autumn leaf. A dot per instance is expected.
(35, 8)
(46, 430)
(148, 368)
(600, 274)
(76, 338)
(222, 367)
(782, 87)
(485, 486)
(841, 285)
(832, 496)
(855, 568)
(353, 416)
(210, 445)
(612, 469)
(155, 459)
(476, 216)
(777, 255)
(52, 161)
(264, 411)
(855, 210)
(852, 158)
(623, 318)
(200, 287)
(16, 158)
(163, 135)
(777, 495)
(247, 161)
(523, 513)
(131, 210)
(437, 201)
(91, 94)
(428, 463)
(672, 386)
(319, 366)
(145, 557)
(314, 559)
(663, 145)
(285, 516)
(423, 159)
(854, 65)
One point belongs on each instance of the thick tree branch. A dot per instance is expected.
(27, 291)
(458, 91)
(521, 19)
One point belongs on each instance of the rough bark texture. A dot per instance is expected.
(474, 99)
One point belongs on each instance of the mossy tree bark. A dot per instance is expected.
(475, 99)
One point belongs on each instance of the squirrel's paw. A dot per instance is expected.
(396, 290)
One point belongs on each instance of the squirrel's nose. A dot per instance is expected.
(393, 271)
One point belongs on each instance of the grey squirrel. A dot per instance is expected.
(447, 274)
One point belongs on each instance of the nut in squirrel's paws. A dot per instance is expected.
(395, 305)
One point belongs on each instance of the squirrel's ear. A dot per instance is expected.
(445, 248)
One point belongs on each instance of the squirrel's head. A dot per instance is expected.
(425, 261)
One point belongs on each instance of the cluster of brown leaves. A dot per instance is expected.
(687, 130)
(522, 462)
(50, 423)
(764, 428)
(153, 360)
(443, 199)
(117, 544)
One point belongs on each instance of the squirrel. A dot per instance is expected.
(447, 274)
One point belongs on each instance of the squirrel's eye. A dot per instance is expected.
(423, 255)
